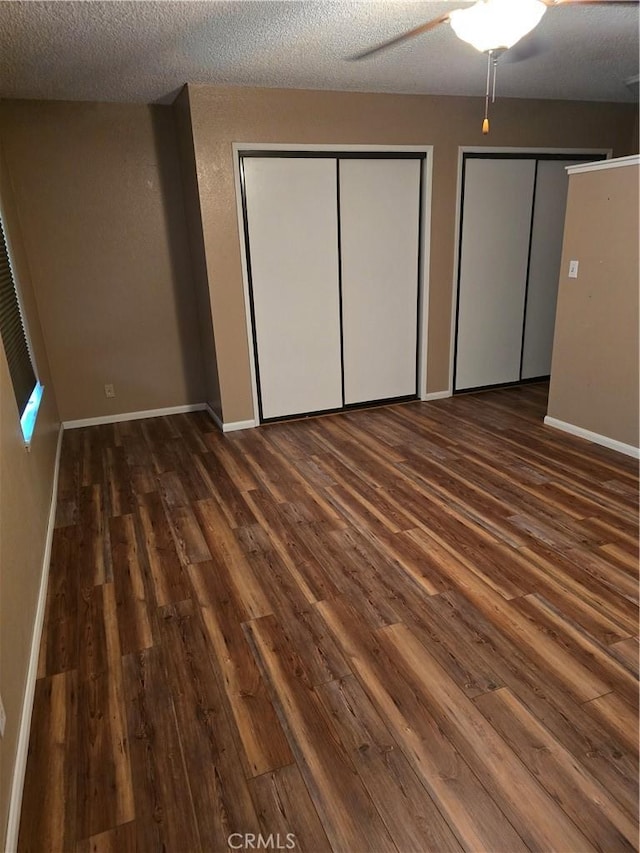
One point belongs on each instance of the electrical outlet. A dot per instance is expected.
(573, 269)
(109, 391)
(3, 718)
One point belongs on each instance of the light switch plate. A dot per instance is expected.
(573, 269)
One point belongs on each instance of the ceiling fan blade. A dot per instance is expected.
(423, 28)
(552, 3)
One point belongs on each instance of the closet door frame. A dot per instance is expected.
(499, 153)
(422, 152)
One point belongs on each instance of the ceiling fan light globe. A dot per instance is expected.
(496, 24)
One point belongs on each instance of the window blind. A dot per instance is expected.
(12, 331)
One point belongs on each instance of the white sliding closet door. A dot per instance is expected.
(379, 224)
(498, 198)
(293, 223)
(544, 268)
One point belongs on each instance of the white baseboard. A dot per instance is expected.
(233, 425)
(214, 417)
(20, 767)
(134, 416)
(595, 437)
(158, 413)
(236, 425)
(436, 395)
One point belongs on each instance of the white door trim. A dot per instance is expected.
(486, 149)
(425, 240)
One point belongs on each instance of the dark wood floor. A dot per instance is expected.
(412, 628)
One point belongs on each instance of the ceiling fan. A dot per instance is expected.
(491, 26)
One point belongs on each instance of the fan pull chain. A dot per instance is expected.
(492, 66)
(495, 74)
(485, 123)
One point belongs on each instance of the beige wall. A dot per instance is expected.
(99, 193)
(182, 115)
(594, 373)
(222, 116)
(26, 480)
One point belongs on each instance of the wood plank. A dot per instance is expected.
(227, 552)
(169, 580)
(317, 656)
(348, 454)
(120, 839)
(406, 808)
(70, 470)
(354, 431)
(164, 807)
(59, 647)
(617, 716)
(119, 492)
(171, 490)
(420, 566)
(407, 423)
(615, 583)
(66, 513)
(134, 619)
(583, 597)
(231, 459)
(221, 797)
(267, 471)
(616, 589)
(224, 490)
(105, 793)
(473, 816)
(577, 677)
(264, 746)
(597, 507)
(95, 547)
(585, 801)
(628, 651)
(465, 665)
(286, 812)
(91, 458)
(296, 546)
(580, 645)
(325, 766)
(623, 556)
(590, 743)
(504, 776)
(363, 573)
(190, 543)
(310, 469)
(190, 429)
(48, 819)
(461, 536)
(366, 511)
(292, 440)
(139, 462)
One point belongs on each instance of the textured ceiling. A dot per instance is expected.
(145, 51)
